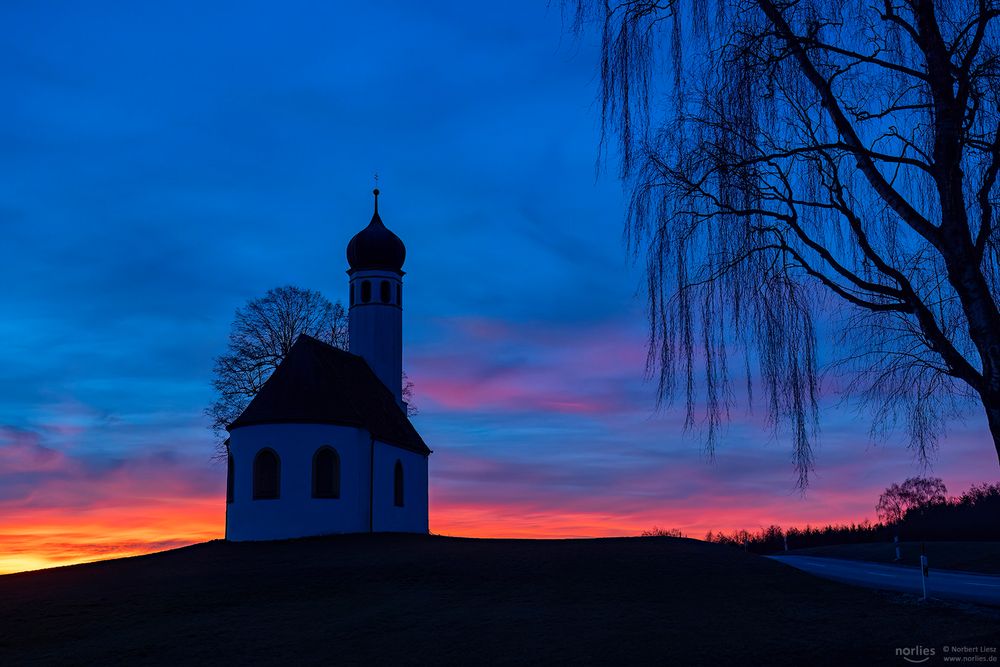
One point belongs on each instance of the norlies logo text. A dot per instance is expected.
(915, 654)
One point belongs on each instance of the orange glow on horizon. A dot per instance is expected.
(32, 539)
(524, 523)
(36, 538)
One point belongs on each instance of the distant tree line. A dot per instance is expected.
(663, 532)
(975, 515)
(772, 538)
(916, 510)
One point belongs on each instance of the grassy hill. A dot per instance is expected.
(394, 599)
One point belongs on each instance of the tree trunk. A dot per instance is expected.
(992, 406)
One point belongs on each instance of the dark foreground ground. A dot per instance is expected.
(983, 557)
(432, 600)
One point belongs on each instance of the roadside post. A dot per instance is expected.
(785, 537)
(895, 539)
(923, 568)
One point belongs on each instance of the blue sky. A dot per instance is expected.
(161, 163)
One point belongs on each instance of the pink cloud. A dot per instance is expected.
(21, 452)
(490, 365)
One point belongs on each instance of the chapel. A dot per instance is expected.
(326, 445)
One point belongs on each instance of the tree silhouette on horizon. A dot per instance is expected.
(262, 333)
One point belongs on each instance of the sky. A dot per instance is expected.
(162, 163)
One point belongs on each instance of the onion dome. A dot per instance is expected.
(375, 247)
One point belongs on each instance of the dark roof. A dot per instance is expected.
(375, 247)
(320, 384)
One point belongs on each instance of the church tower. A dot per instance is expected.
(375, 321)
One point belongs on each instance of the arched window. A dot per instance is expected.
(229, 478)
(326, 473)
(266, 475)
(399, 295)
(397, 485)
(384, 291)
(366, 291)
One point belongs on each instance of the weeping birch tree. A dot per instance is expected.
(807, 171)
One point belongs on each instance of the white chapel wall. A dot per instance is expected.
(296, 513)
(412, 516)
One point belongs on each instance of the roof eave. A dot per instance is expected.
(423, 449)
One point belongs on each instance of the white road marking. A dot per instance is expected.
(880, 574)
(972, 583)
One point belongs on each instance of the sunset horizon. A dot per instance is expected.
(530, 379)
(127, 520)
(348, 332)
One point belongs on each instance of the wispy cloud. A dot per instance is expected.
(490, 365)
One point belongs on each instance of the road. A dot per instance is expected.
(944, 584)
